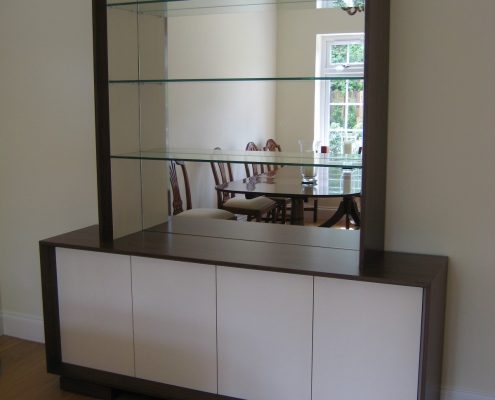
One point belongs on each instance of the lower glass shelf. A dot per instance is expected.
(246, 157)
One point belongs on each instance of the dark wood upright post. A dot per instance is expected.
(102, 120)
(51, 319)
(377, 27)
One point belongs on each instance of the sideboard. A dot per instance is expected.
(229, 310)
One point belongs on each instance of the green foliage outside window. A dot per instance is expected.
(356, 53)
(344, 3)
(339, 54)
(347, 53)
(336, 140)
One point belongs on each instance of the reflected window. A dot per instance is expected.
(338, 3)
(340, 98)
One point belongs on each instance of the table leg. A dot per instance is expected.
(347, 208)
(353, 211)
(297, 211)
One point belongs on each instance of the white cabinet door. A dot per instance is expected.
(264, 334)
(366, 340)
(95, 306)
(175, 322)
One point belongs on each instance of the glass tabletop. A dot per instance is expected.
(287, 182)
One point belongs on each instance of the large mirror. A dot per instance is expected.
(195, 75)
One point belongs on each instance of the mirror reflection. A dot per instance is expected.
(201, 75)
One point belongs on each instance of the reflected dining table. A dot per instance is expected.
(286, 182)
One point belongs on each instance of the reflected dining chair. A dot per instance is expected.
(272, 145)
(178, 209)
(253, 169)
(254, 208)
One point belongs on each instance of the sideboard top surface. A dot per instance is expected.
(279, 248)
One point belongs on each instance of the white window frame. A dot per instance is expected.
(325, 69)
(324, 3)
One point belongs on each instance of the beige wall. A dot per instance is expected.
(441, 165)
(47, 145)
(440, 156)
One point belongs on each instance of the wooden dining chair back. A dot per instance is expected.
(255, 208)
(177, 203)
(282, 202)
(222, 174)
(272, 145)
(174, 185)
(253, 169)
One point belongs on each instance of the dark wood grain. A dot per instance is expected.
(377, 22)
(122, 383)
(250, 252)
(102, 119)
(430, 372)
(86, 388)
(50, 307)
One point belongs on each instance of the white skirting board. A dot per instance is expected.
(23, 326)
(460, 394)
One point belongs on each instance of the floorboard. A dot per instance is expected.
(23, 373)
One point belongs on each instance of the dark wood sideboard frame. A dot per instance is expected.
(377, 23)
(424, 271)
(375, 265)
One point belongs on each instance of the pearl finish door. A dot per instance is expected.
(95, 308)
(175, 322)
(264, 334)
(366, 340)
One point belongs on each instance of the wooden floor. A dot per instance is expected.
(23, 373)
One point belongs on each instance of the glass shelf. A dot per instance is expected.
(239, 79)
(246, 157)
(192, 7)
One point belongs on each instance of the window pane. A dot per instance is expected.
(354, 117)
(356, 53)
(337, 91)
(338, 53)
(356, 91)
(335, 142)
(337, 116)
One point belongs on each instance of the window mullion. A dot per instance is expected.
(346, 109)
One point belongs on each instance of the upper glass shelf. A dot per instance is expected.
(247, 157)
(192, 7)
(236, 79)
